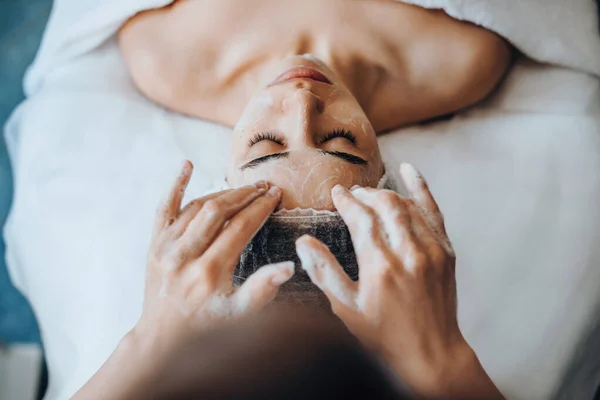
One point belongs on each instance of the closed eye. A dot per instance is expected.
(269, 136)
(337, 133)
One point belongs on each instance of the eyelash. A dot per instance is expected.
(265, 136)
(339, 133)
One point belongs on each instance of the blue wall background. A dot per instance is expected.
(22, 24)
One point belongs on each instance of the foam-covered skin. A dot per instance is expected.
(297, 115)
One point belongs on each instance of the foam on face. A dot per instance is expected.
(303, 182)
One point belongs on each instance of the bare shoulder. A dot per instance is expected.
(446, 66)
(157, 45)
(144, 41)
(470, 55)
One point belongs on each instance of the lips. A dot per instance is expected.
(301, 73)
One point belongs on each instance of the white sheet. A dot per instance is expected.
(516, 177)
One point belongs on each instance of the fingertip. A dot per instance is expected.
(412, 178)
(285, 271)
(308, 244)
(304, 251)
(274, 192)
(187, 166)
(409, 169)
(338, 190)
(303, 240)
(340, 196)
(287, 267)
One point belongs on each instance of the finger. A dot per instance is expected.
(224, 253)
(433, 226)
(215, 210)
(326, 272)
(192, 208)
(363, 225)
(419, 191)
(438, 250)
(396, 220)
(262, 287)
(168, 210)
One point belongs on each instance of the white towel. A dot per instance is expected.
(562, 32)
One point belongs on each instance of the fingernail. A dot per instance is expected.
(306, 259)
(355, 187)
(262, 186)
(410, 169)
(302, 238)
(338, 189)
(186, 164)
(274, 192)
(286, 271)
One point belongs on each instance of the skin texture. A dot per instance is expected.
(392, 64)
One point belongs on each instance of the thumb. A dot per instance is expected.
(326, 273)
(262, 287)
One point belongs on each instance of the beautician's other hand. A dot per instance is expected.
(404, 305)
(193, 254)
(189, 288)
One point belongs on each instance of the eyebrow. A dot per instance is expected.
(352, 159)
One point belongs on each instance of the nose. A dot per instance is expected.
(304, 102)
(304, 106)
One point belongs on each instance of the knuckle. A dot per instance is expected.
(194, 204)
(174, 260)
(162, 210)
(418, 263)
(212, 208)
(452, 259)
(438, 255)
(385, 272)
(237, 225)
(411, 204)
(388, 197)
(207, 276)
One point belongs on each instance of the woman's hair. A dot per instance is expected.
(275, 243)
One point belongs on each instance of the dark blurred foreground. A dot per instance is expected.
(286, 353)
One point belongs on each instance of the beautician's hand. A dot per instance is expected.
(189, 287)
(193, 254)
(404, 304)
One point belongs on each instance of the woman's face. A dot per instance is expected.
(304, 132)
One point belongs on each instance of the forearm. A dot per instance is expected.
(470, 381)
(462, 378)
(126, 374)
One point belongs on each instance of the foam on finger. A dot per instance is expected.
(262, 286)
(325, 271)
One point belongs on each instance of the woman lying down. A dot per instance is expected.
(307, 86)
